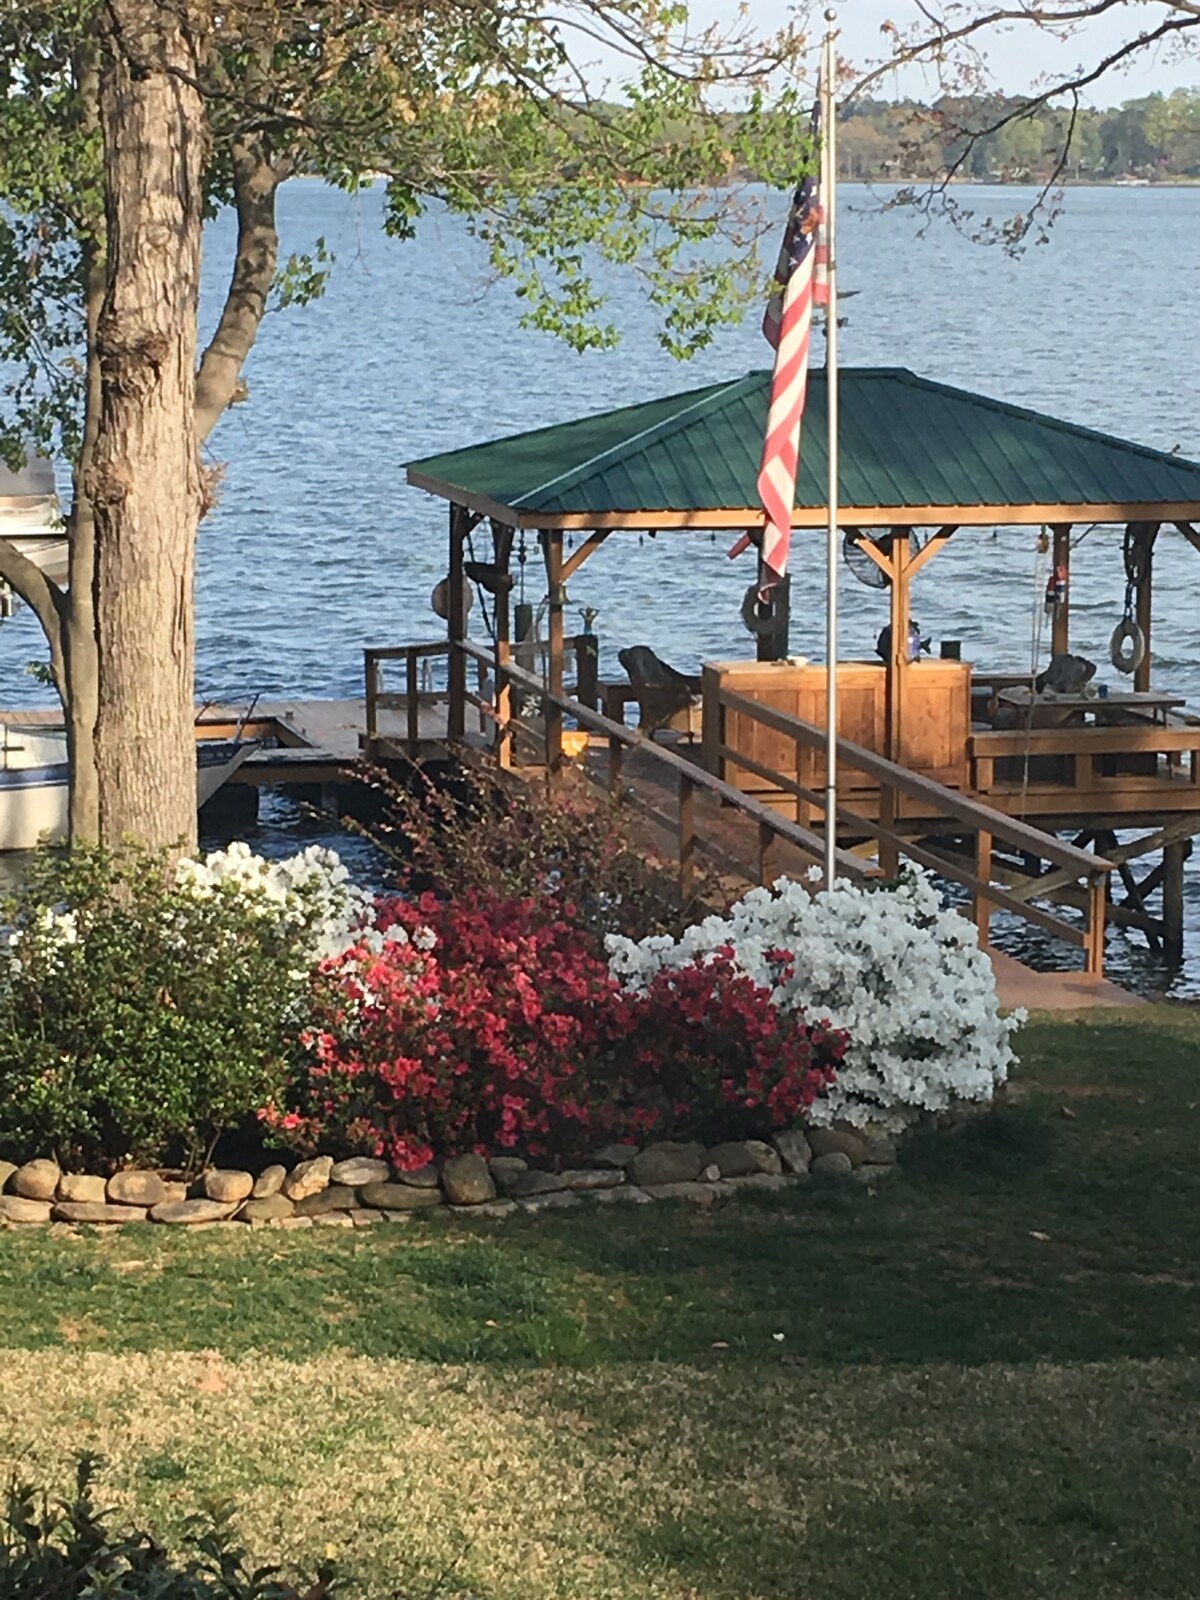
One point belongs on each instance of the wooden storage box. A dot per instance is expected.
(935, 723)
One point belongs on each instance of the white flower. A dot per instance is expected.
(903, 976)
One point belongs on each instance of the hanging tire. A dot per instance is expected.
(1127, 648)
(751, 620)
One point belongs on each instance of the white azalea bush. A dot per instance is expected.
(308, 898)
(144, 1012)
(902, 975)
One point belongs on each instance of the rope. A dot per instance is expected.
(489, 621)
(1127, 647)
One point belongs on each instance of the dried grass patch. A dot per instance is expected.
(631, 1482)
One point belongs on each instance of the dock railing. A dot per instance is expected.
(543, 735)
(981, 823)
(984, 826)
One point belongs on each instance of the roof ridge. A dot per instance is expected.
(656, 432)
(1061, 424)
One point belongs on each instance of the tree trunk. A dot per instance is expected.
(79, 629)
(144, 482)
(79, 635)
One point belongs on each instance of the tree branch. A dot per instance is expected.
(256, 182)
(44, 598)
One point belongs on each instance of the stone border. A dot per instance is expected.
(362, 1190)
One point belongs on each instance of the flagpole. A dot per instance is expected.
(829, 161)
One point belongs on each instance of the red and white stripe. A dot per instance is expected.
(801, 282)
(781, 446)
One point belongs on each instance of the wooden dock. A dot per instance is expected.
(679, 811)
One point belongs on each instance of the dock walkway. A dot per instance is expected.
(318, 742)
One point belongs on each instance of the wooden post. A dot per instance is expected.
(1093, 949)
(687, 837)
(555, 589)
(1061, 628)
(614, 710)
(983, 871)
(1174, 856)
(371, 675)
(766, 840)
(773, 644)
(457, 624)
(616, 751)
(897, 664)
(412, 696)
(502, 538)
(889, 854)
(1146, 536)
(587, 669)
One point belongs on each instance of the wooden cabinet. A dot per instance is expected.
(935, 723)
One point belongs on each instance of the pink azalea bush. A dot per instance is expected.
(494, 1024)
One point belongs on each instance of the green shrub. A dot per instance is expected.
(139, 1019)
(70, 1550)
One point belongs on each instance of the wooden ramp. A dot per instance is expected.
(731, 846)
(1020, 987)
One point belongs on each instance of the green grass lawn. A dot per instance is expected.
(983, 1379)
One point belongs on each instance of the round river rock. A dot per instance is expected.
(230, 1188)
(77, 1188)
(467, 1181)
(666, 1162)
(269, 1182)
(360, 1170)
(36, 1180)
(309, 1178)
(137, 1189)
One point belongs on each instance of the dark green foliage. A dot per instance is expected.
(72, 1550)
(135, 1021)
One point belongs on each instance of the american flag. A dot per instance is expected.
(801, 281)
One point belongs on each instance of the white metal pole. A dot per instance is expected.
(828, 201)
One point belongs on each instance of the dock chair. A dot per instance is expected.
(666, 698)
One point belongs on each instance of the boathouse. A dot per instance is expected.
(974, 773)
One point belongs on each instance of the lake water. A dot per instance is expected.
(317, 547)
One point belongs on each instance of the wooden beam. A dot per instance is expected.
(1190, 534)
(1051, 882)
(589, 546)
(502, 542)
(555, 589)
(1146, 535)
(930, 548)
(1174, 857)
(1061, 628)
(897, 663)
(880, 556)
(456, 625)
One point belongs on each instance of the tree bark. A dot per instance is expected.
(144, 481)
(80, 643)
(255, 184)
(79, 629)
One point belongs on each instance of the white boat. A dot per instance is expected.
(29, 519)
(35, 777)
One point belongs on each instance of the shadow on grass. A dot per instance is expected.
(1059, 1228)
(1008, 1146)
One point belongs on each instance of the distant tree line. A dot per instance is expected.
(979, 139)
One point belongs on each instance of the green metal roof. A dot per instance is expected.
(907, 445)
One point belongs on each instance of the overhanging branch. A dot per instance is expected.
(256, 183)
(44, 598)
